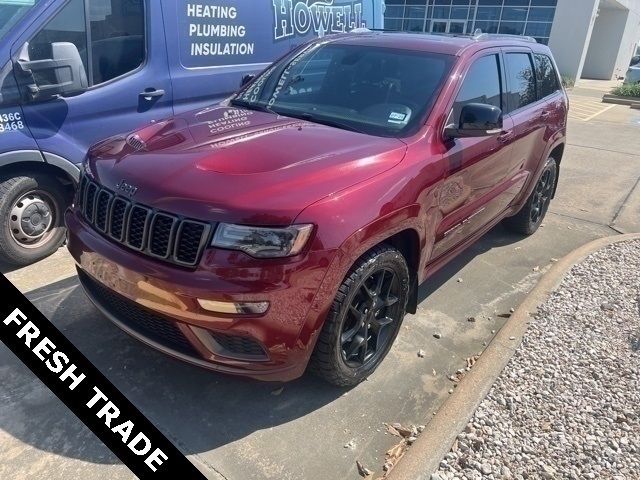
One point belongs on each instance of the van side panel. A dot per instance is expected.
(16, 142)
(211, 47)
(67, 126)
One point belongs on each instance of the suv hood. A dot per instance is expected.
(229, 164)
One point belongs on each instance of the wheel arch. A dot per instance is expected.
(32, 161)
(408, 243)
(557, 153)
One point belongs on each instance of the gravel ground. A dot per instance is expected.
(568, 403)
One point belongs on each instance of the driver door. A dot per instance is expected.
(121, 45)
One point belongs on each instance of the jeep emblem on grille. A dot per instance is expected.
(126, 188)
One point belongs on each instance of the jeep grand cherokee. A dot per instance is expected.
(290, 226)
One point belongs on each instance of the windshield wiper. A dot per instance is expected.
(251, 106)
(310, 117)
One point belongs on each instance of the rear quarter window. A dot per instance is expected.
(521, 81)
(546, 76)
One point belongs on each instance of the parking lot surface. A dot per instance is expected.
(241, 429)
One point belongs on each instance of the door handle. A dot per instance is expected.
(505, 136)
(151, 94)
(545, 114)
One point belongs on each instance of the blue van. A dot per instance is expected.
(75, 71)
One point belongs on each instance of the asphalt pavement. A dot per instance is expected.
(241, 429)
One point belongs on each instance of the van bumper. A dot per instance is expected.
(157, 303)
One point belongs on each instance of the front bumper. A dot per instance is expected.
(156, 303)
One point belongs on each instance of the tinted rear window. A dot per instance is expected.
(521, 80)
(546, 76)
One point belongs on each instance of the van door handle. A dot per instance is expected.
(151, 94)
(505, 136)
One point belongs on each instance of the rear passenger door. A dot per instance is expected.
(529, 113)
(122, 47)
(479, 186)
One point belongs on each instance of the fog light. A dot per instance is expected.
(255, 308)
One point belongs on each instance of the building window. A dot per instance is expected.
(514, 17)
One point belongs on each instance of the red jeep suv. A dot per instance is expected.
(290, 226)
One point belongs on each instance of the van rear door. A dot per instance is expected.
(122, 81)
(211, 47)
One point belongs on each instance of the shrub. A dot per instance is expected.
(631, 90)
(567, 82)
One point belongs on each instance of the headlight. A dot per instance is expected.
(262, 242)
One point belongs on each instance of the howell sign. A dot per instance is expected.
(320, 17)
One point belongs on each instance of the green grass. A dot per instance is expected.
(632, 90)
(568, 82)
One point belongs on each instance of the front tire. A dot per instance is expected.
(530, 217)
(364, 319)
(31, 212)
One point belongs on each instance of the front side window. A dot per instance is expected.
(68, 25)
(482, 84)
(375, 90)
(546, 76)
(115, 38)
(521, 80)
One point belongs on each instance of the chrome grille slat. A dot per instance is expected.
(158, 234)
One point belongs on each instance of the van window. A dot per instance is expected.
(11, 11)
(482, 84)
(546, 76)
(68, 25)
(522, 83)
(116, 37)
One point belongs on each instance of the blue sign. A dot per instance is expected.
(243, 32)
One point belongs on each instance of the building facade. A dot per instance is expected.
(589, 38)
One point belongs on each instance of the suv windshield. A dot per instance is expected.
(11, 11)
(373, 90)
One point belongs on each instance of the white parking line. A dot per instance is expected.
(598, 113)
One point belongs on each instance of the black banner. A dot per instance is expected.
(87, 392)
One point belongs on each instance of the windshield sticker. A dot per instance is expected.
(399, 118)
(10, 122)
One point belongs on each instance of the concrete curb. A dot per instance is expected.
(424, 456)
(617, 100)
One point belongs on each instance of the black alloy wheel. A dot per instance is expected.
(364, 319)
(530, 217)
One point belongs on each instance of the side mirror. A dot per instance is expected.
(246, 79)
(65, 68)
(635, 61)
(477, 120)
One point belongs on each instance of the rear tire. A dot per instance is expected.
(530, 217)
(364, 319)
(31, 214)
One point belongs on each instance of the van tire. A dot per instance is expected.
(328, 358)
(530, 217)
(24, 194)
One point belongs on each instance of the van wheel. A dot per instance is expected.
(31, 212)
(364, 319)
(529, 219)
